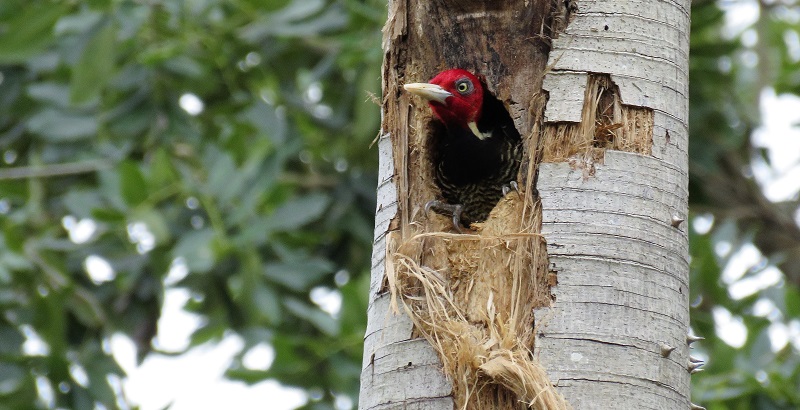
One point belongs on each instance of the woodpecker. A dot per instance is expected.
(475, 149)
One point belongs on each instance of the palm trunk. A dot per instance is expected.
(593, 243)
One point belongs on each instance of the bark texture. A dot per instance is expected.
(622, 268)
(471, 296)
(450, 320)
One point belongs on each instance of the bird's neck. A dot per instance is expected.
(469, 128)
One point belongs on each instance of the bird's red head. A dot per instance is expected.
(455, 96)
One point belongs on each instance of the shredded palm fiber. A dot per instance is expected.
(472, 297)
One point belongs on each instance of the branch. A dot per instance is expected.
(777, 232)
(54, 170)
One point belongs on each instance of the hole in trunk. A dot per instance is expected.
(472, 171)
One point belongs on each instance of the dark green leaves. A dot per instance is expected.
(197, 249)
(241, 204)
(56, 125)
(298, 275)
(96, 65)
(11, 378)
(28, 30)
(298, 212)
(321, 320)
(133, 186)
(300, 18)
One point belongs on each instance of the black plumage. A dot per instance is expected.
(470, 171)
(475, 150)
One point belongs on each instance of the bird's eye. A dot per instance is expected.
(464, 86)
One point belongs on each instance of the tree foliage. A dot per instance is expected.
(730, 71)
(223, 147)
(229, 139)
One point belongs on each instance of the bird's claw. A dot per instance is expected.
(457, 217)
(454, 210)
(511, 185)
(430, 204)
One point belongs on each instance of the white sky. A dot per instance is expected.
(195, 380)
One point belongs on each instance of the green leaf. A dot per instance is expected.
(126, 121)
(247, 375)
(321, 320)
(301, 18)
(96, 65)
(162, 173)
(86, 308)
(185, 66)
(298, 275)
(266, 302)
(62, 126)
(156, 224)
(81, 202)
(761, 351)
(51, 93)
(792, 299)
(727, 393)
(133, 186)
(298, 212)
(196, 247)
(266, 120)
(354, 304)
(30, 31)
(289, 361)
(78, 23)
(366, 113)
(213, 330)
(14, 240)
(108, 215)
(298, 9)
(99, 385)
(11, 378)
(224, 181)
(11, 340)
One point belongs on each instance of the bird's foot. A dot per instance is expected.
(511, 185)
(448, 209)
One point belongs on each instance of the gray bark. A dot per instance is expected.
(398, 371)
(622, 268)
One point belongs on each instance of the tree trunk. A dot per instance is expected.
(575, 291)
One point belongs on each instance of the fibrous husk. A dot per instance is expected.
(472, 297)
